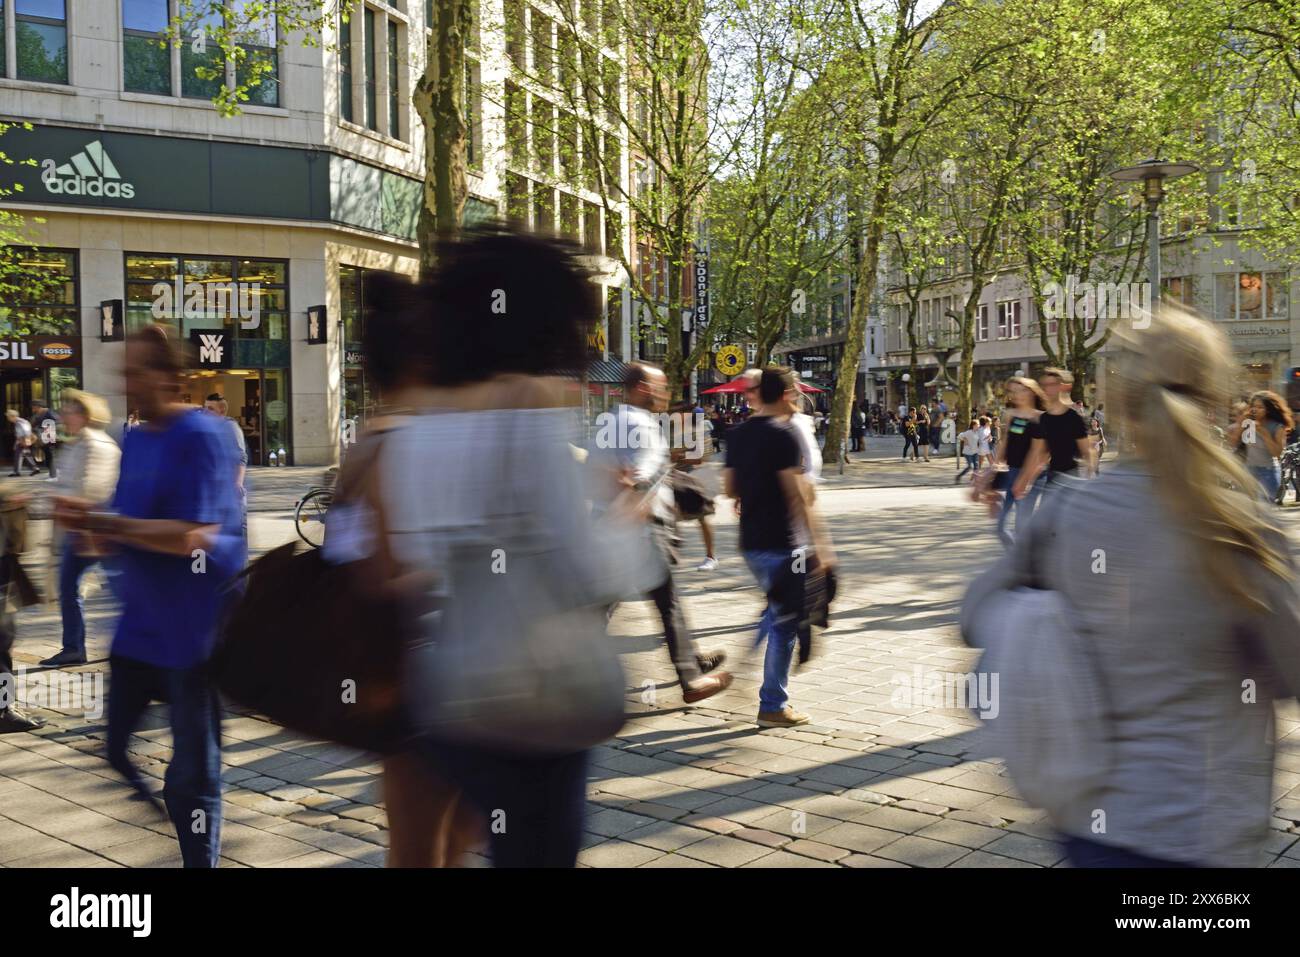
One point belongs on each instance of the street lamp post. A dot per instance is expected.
(1152, 174)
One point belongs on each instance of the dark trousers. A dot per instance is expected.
(6, 643)
(533, 804)
(48, 450)
(681, 646)
(23, 453)
(910, 442)
(1085, 853)
(192, 784)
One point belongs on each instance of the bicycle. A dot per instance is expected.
(309, 511)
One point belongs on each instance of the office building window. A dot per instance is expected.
(41, 40)
(203, 66)
(372, 120)
(1009, 320)
(982, 324)
(394, 116)
(259, 42)
(346, 53)
(146, 57)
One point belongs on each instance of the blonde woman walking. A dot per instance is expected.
(1175, 747)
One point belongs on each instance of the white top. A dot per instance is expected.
(986, 440)
(810, 455)
(971, 442)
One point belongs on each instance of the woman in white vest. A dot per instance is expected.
(90, 473)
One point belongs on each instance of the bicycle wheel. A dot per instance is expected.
(309, 516)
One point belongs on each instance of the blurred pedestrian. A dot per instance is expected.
(781, 535)
(45, 426)
(89, 474)
(1061, 446)
(969, 443)
(1025, 404)
(16, 591)
(639, 456)
(23, 442)
(923, 430)
(1262, 432)
(909, 429)
(1132, 684)
(176, 523)
(508, 682)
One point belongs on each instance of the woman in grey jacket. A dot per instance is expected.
(1179, 592)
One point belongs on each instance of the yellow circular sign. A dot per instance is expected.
(730, 360)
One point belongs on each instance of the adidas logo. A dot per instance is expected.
(88, 173)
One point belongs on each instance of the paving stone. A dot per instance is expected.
(961, 832)
(895, 818)
(785, 859)
(922, 852)
(665, 835)
(867, 860)
(724, 851)
(817, 850)
(984, 859)
(856, 837)
(760, 836)
(618, 854)
(1030, 849)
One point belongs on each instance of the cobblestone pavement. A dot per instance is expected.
(867, 784)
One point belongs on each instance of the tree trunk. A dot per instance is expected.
(438, 100)
(846, 379)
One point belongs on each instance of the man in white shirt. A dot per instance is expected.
(640, 455)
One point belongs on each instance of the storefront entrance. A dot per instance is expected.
(257, 401)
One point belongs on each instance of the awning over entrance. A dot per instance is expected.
(607, 371)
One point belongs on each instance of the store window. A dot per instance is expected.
(248, 297)
(39, 294)
(244, 298)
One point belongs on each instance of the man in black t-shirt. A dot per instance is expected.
(778, 528)
(1062, 443)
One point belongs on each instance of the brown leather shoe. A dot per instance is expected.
(707, 687)
(787, 717)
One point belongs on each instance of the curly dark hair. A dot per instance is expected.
(1274, 408)
(509, 302)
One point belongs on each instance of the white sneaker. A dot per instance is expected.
(51, 478)
(708, 565)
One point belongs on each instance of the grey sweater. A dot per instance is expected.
(1190, 676)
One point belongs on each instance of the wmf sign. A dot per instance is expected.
(214, 347)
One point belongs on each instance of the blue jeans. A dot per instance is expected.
(972, 464)
(1269, 477)
(192, 784)
(1024, 507)
(71, 606)
(778, 625)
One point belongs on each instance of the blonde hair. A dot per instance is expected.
(1168, 377)
(1036, 390)
(92, 407)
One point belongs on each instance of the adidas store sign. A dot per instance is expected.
(89, 173)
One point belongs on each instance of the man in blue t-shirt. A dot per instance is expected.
(176, 524)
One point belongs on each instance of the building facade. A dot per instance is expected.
(250, 236)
